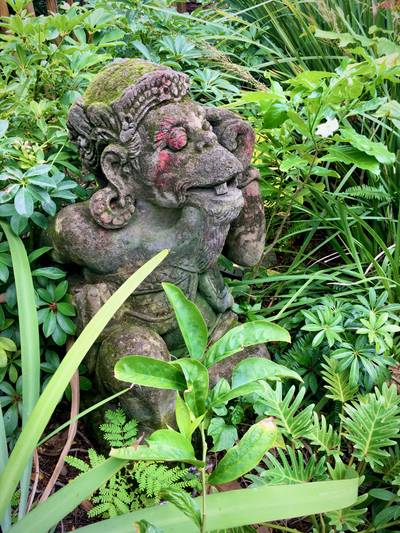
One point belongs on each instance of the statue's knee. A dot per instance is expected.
(151, 407)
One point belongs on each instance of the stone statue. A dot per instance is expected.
(172, 174)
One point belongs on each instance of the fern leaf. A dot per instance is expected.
(372, 423)
(290, 467)
(77, 463)
(292, 423)
(367, 192)
(323, 435)
(390, 467)
(350, 518)
(337, 382)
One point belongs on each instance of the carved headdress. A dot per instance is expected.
(110, 113)
(115, 103)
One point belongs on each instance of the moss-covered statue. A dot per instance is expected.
(172, 174)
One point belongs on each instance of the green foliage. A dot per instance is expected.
(292, 422)
(372, 423)
(132, 487)
(290, 467)
(117, 431)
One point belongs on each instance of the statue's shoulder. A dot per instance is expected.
(72, 231)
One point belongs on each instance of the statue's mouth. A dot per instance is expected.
(223, 198)
(226, 190)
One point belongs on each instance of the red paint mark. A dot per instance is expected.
(252, 189)
(162, 176)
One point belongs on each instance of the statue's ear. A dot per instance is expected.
(235, 134)
(113, 206)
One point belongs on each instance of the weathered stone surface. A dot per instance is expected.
(172, 174)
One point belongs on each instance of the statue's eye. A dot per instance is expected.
(177, 138)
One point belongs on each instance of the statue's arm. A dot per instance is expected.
(246, 239)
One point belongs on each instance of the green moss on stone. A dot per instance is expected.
(110, 83)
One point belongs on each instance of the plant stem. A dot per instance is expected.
(277, 527)
(203, 480)
(371, 530)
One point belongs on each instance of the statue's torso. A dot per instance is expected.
(110, 257)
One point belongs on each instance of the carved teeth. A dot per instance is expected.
(221, 189)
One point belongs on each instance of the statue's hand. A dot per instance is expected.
(235, 135)
(89, 299)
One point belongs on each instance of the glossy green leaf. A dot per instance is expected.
(248, 334)
(23, 202)
(241, 390)
(224, 435)
(351, 156)
(255, 368)
(196, 393)
(247, 453)
(190, 321)
(184, 503)
(365, 145)
(150, 372)
(162, 445)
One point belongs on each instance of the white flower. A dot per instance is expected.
(326, 129)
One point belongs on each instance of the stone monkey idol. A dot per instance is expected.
(172, 174)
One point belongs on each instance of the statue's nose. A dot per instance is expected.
(205, 140)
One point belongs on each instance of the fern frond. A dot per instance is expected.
(337, 382)
(77, 463)
(290, 468)
(116, 430)
(372, 423)
(152, 478)
(367, 192)
(350, 518)
(293, 424)
(322, 434)
(390, 467)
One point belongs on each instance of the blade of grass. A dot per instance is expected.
(50, 512)
(50, 397)
(6, 522)
(238, 508)
(30, 344)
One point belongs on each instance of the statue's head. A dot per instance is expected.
(142, 136)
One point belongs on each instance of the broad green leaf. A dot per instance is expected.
(150, 372)
(182, 415)
(248, 334)
(242, 390)
(224, 435)
(247, 453)
(196, 393)
(190, 321)
(49, 272)
(162, 445)
(23, 202)
(185, 420)
(254, 368)
(351, 156)
(225, 510)
(184, 503)
(365, 145)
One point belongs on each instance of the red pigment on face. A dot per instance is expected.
(164, 162)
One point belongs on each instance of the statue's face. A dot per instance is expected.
(182, 162)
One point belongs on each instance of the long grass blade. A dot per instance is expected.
(52, 394)
(30, 343)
